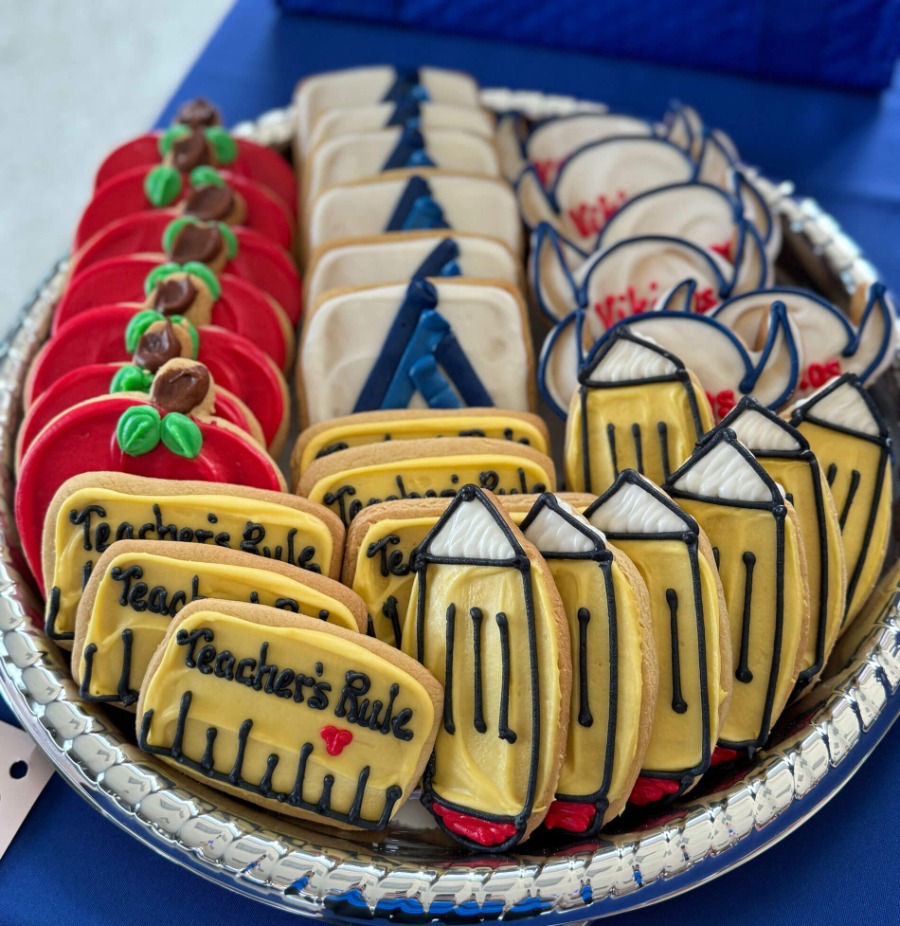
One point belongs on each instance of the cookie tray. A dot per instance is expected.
(411, 873)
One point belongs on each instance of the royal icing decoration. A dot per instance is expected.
(690, 632)
(137, 587)
(758, 548)
(489, 625)
(289, 713)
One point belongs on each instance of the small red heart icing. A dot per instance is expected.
(336, 740)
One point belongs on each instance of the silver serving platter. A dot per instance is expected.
(412, 873)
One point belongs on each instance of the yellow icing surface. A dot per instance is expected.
(796, 477)
(281, 725)
(735, 531)
(849, 455)
(105, 515)
(153, 588)
(349, 491)
(676, 739)
(350, 433)
(481, 771)
(645, 406)
(583, 584)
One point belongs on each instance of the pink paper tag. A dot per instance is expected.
(24, 773)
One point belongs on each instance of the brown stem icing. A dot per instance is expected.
(198, 114)
(184, 386)
(202, 242)
(157, 346)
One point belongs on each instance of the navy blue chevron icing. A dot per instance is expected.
(440, 262)
(407, 112)
(406, 84)
(416, 209)
(409, 151)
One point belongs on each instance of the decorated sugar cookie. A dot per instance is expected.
(784, 454)
(413, 201)
(138, 586)
(438, 343)
(690, 630)
(614, 676)
(204, 192)
(485, 618)
(352, 480)
(197, 138)
(191, 290)
(353, 119)
(849, 437)
(829, 342)
(382, 542)
(596, 180)
(290, 713)
(168, 434)
(91, 511)
(338, 434)
(140, 339)
(758, 547)
(239, 251)
(408, 256)
(636, 407)
(350, 157)
(318, 94)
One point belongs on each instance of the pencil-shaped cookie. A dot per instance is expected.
(636, 407)
(850, 438)
(759, 551)
(289, 713)
(138, 586)
(690, 630)
(784, 454)
(613, 692)
(486, 620)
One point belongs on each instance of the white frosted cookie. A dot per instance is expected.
(348, 120)
(759, 553)
(346, 158)
(439, 343)
(849, 436)
(408, 256)
(690, 630)
(614, 675)
(379, 84)
(416, 200)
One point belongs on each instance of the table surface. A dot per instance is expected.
(69, 865)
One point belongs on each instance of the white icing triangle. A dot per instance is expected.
(723, 472)
(471, 532)
(845, 407)
(551, 532)
(627, 361)
(632, 509)
(758, 432)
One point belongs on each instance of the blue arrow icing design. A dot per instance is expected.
(416, 209)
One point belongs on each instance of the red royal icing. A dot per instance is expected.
(721, 403)
(614, 307)
(571, 817)
(817, 374)
(336, 740)
(649, 790)
(547, 169)
(484, 832)
(590, 218)
(723, 248)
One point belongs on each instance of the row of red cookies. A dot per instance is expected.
(413, 246)
(181, 257)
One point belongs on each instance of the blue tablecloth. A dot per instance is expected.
(70, 866)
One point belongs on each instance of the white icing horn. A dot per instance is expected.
(828, 341)
(756, 209)
(717, 159)
(510, 146)
(551, 268)
(683, 126)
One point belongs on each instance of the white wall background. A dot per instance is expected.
(77, 77)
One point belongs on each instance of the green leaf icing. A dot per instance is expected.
(181, 435)
(162, 186)
(196, 269)
(180, 320)
(172, 229)
(138, 430)
(204, 175)
(231, 242)
(131, 379)
(223, 144)
(138, 325)
(170, 136)
(160, 273)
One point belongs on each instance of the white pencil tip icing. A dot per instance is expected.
(553, 531)
(635, 507)
(630, 359)
(844, 405)
(723, 472)
(471, 532)
(761, 432)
